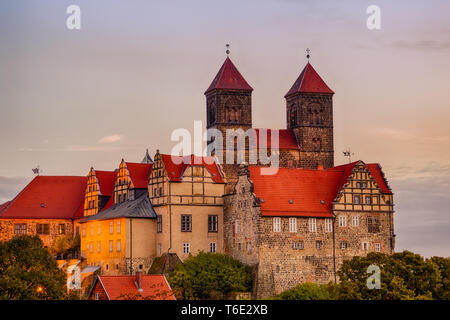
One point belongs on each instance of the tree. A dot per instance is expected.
(209, 275)
(404, 275)
(28, 271)
(66, 246)
(306, 291)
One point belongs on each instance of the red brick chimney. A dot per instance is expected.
(139, 280)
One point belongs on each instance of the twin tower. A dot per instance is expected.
(309, 113)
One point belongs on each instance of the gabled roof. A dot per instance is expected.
(311, 192)
(139, 174)
(286, 139)
(152, 286)
(48, 197)
(138, 208)
(106, 180)
(229, 78)
(309, 81)
(374, 170)
(177, 165)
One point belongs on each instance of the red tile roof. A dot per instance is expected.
(3, 206)
(286, 139)
(309, 81)
(106, 180)
(139, 174)
(229, 77)
(374, 170)
(311, 191)
(177, 165)
(152, 285)
(48, 197)
(378, 176)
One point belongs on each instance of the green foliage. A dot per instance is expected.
(306, 291)
(209, 275)
(404, 276)
(66, 246)
(28, 271)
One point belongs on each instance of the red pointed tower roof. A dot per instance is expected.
(309, 81)
(229, 77)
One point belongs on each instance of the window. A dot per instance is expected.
(357, 199)
(364, 185)
(237, 227)
(328, 225)
(118, 226)
(99, 246)
(118, 245)
(77, 231)
(186, 247)
(377, 247)
(292, 224)
(318, 244)
(344, 245)
(342, 221)
(358, 184)
(161, 192)
(99, 229)
(111, 246)
(97, 296)
(355, 221)
(212, 247)
(365, 246)
(159, 223)
(92, 229)
(20, 228)
(43, 228)
(111, 227)
(301, 246)
(277, 224)
(298, 245)
(91, 247)
(84, 230)
(213, 221)
(368, 200)
(373, 224)
(186, 223)
(159, 249)
(312, 225)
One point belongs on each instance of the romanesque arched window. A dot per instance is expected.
(317, 144)
(293, 117)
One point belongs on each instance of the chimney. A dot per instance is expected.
(138, 281)
(320, 167)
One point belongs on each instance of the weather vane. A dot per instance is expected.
(348, 154)
(37, 170)
(228, 49)
(307, 53)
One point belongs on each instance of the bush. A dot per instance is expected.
(306, 291)
(209, 276)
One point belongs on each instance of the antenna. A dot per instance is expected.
(348, 154)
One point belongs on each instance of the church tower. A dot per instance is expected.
(228, 106)
(309, 113)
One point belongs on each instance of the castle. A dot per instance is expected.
(297, 224)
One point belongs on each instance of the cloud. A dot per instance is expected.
(10, 187)
(404, 136)
(111, 139)
(422, 44)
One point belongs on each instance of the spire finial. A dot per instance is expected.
(307, 53)
(228, 49)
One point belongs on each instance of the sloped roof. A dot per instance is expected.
(106, 180)
(138, 208)
(139, 174)
(3, 206)
(286, 139)
(48, 197)
(229, 78)
(374, 170)
(147, 158)
(311, 191)
(177, 165)
(309, 81)
(152, 285)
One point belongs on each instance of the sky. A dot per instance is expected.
(137, 70)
